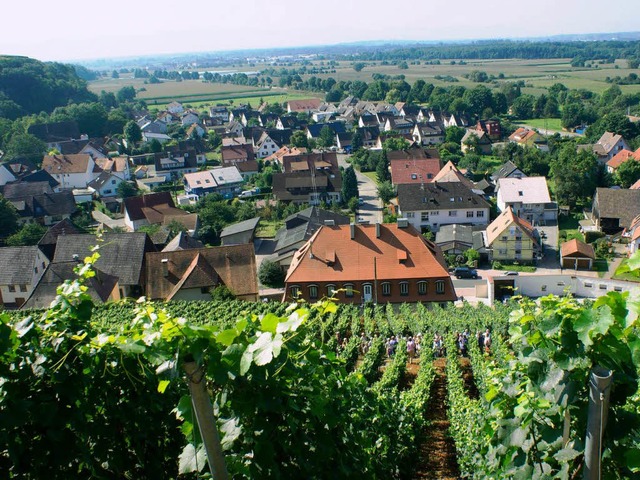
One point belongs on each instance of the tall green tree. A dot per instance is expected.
(299, 139)
(349, 184)
(386, 192)
(382, 169)
(356, 141)
(8, 217)
(30, 234)
(327, 137)
(132, 133)
(575, 175)
(628, 173)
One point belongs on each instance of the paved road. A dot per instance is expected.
(371, 210)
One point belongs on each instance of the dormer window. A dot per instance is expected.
(520, 194)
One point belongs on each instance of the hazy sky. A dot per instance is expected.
(78, 29)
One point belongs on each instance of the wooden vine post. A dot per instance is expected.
(206, 420)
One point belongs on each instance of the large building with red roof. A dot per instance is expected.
(382, 263)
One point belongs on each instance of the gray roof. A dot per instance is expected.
(100, 286)
(467, 234)
(438, 195)
(182, 241)
(618, 203)
(245, 226)
(301, 226)
(504, 170)
(17, 265)
(121, 254)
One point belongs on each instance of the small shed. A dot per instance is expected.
(576, 255)
(240, 233)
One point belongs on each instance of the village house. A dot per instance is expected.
(71, 171)
(614, 209)
(300, 227)
(175, 164)
(240, 232)
(37, 202)
(491, 128)
(428, 206)
(227, 181)
(306, 106)
(479, 141)
(153, 209)
(621, 157)
(389, 263)
(428, 134)
(528, 197)
(509, 238)
(608, 145)
(193, 274)
(122, 255)
(525, 137)
(507, 170)
(219, 112)
(414, 165)
(456, 239)
(21, 269)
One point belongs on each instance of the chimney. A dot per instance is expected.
(330, 223)
(352, 228)
(403, 223)
(165, 267)
(377, 230)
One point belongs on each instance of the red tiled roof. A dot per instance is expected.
(302, 105)
(414, 171)
(353, 259)
(621, 157)
(575, 247)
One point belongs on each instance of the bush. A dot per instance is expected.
(496, 265)
(271, 274)
(590, 237)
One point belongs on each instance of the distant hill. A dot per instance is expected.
(30, 86)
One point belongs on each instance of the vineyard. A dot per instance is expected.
(98, 391)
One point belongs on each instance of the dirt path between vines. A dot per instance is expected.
(437, 452)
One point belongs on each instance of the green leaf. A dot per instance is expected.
(226, 337)
(246, 360)
(162, 386)
(230, 430)
(582, 325)
(132, 347)
(292, 323)
(566, 455)
(491, 394)
(23, 327)
(266, 348)
(634, 262)
(269, 323)
(632, 457)
(192, 460)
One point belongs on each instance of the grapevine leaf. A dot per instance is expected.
(604, 320)
(246, 360)
(192, 460)
(23, 327)
(634, 262)
(632, 457)
(226, 337)
(566, 455)
(132, 347)
(582, 326)
(269, 323)
(292, 324)
(231, 430)
(162, 386)
(266, 348)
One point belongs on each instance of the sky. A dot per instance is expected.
(80, 29)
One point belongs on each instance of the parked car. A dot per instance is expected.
(465, 272)
(511, 273)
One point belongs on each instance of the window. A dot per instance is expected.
(502, 251)
(440, 287)
(588, 285)
(404, 288)
(295, 291)
(205, 290)
(411, 214)
(470, 214)
(543, 288)
(424, 216)
(617, 289)
(12, 288)
(113, 182)
(602, 286)
(453, 213)
(331, 290)
(518, 252)
(348, 291)
(561, 284)
(414, 176)
(480, 214)
(313, 291)
(386, 289)
(503, 238)
(422, 288)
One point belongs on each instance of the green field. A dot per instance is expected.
(543, 123)
(275, 97)
(538, 74)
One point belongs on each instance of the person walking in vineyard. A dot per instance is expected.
(487, 341)
(480, 338)
(411, 349)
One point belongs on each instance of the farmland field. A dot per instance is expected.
(196, 93)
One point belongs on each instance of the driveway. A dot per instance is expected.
(551, 258)
(371, 210)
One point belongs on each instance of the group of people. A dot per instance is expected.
(414, 344)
